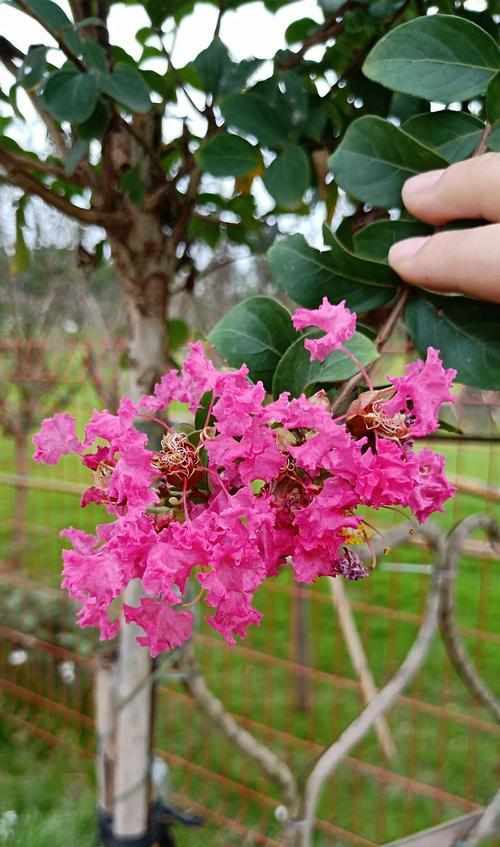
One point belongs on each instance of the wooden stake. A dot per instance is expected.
(359, 661)
(133, 729)
(105, 709)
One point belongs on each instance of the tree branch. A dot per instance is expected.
(8, 52)
(447, 617)
(275, 769)
(329, 29)
(21, 179)
(55, 35)
(43, 167)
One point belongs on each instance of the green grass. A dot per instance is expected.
(436, 751)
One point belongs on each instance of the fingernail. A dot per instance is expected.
(406, 249)
(423, 182)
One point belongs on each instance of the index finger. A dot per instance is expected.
(468, 189)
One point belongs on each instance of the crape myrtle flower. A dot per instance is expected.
(249, 486)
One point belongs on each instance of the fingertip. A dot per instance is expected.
(422, 182)
(403, 252)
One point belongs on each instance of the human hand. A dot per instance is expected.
(464, 261)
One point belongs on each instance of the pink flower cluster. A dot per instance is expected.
(249, 485)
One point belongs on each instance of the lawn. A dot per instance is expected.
(457, 757)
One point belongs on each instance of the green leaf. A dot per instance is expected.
(144, 33)
(254, 116)
(375, 240)
(228, 155)
(94, 56)
(97, 124)
(307, 275)
(236, 75)
(375, 158)
(126, 85)
(178, 334)
(437, 57)
(296, 373)
(211, 64)
(22, 256)
(201, 415)
(464, 331)
(70, 96)
(299, 30)
(288, 177)
(34, 67)
(493, 100)
(131, 183)
(257, 485)
(493, 141)
(92, 21)
(454, 135)
(50, 13)
(256, 332)
(404, 106)
(75, 155)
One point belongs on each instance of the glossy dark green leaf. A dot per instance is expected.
(126, 85)
(34, 67)
(94, 56)
(375, 158)
(437, 57)
(211, 64)
(75, 155)
(97, 124)
(375, 240)
(218, 74)
(288, 177)
(71, 96)
(464, 331)
(256, 332)
(493, 100)
(228, 155)
(307, 275)
(50, 13)
(453, 135)
(236, 75)
(296, 373)
(251, 114)
(404, 106)
(300, 29)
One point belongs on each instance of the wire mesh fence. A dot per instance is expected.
(292, 682)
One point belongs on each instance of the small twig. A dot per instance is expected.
(381, 340)
(177, 76)
(332, 27)
(481, 145)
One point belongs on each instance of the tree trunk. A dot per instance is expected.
(142, 266)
